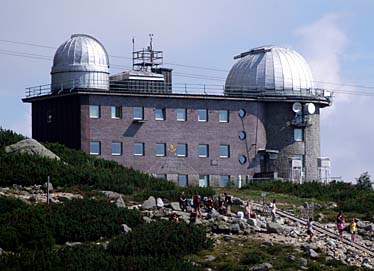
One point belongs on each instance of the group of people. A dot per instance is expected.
(340, 226)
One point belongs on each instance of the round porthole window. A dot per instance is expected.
(242, 159)
(242, 113)
(242, 135)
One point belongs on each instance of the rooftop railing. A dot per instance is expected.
(151, 87)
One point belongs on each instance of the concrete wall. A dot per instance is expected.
(280, 136)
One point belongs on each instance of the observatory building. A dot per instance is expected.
(265, 124)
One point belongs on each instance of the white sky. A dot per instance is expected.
(333, 36)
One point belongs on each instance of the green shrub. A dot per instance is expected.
(8, 137)
(163, 238)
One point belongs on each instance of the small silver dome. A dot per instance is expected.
(80, 62)
(269, 69)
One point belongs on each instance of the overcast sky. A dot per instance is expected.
(335, 37)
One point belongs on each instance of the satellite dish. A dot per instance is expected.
(297, 107)
(310, 108)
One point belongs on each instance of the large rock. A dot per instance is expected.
(160, 203)
(175, 206)
(312, 254)
(252, 221)
(120, 202)
(125, 229)
(235, 228)
(150, 203)
(111, 195)
(274, 227)
(32, 147)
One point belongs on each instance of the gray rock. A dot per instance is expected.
(262, 267)
(213, 214)
(361, 224)
(237, 201)
(147, 219)
(160, 203)
(47, 186)
(120, 202)
(252, 222)
(369, 227)
(367, 265)
(309, 246)
(125, 229)
(32, 147)
(228, 238)
(292, 258)
(210, 258)
(72, 244)
(274, 228)
(312, 254)
(111, 195)
(175, 206)
(150, 203)
(235, 228)
(303, 262)
(1, 251)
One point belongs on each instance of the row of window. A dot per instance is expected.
(159, 113)
(204, 180)
(180, 150)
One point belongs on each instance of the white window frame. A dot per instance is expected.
(199, 119)
(203, 179)
(164, 150)
(185, 150)
(206, 150)
(134, 113)
(226, 112)
(91, 107)
(163, 113)
(180, 110)
(99, 144)
(113, 112)
(120, 152)
(138, 144)
(228, 151)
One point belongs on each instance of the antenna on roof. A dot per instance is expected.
(147, 58)
(133, 50)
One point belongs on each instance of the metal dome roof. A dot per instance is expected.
(271, 69)
(81, 53)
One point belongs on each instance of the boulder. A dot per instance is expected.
(160, 203)
(262, 267)
(303, 262)
(235, 228)
(111, 195)
(47, 186)
(312, 254)
(210, 258)
(252, 221)
(120, 202)
(72, 244)
(274, 228)
(147, 219)
(150, 203)
(361, 224)
(32, 147)
(125, 229)
(175, 206)
(369, 227)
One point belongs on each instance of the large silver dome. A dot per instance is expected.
(80, 62)
(269, 70)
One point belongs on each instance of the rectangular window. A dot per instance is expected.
(139, 149)
(298, 134)
(138, 113)
(116, 112)
(203, 180)
(223, 116)
(224, 151)
(160, 176)
(203, 150)
(182, 150)
(160, 149)
(181, 114)
(224, 180)
(202, 115)
(94, 111)
(160, 114)
(116, 148)
(182, 180)
(95, 147)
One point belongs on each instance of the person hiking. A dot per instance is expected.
(183, 202)
(228, 202)
(196, 203)
(273, 210)
(340, 224)
(310, 230)
(353, 229)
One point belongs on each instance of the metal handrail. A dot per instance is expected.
(178, 88)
